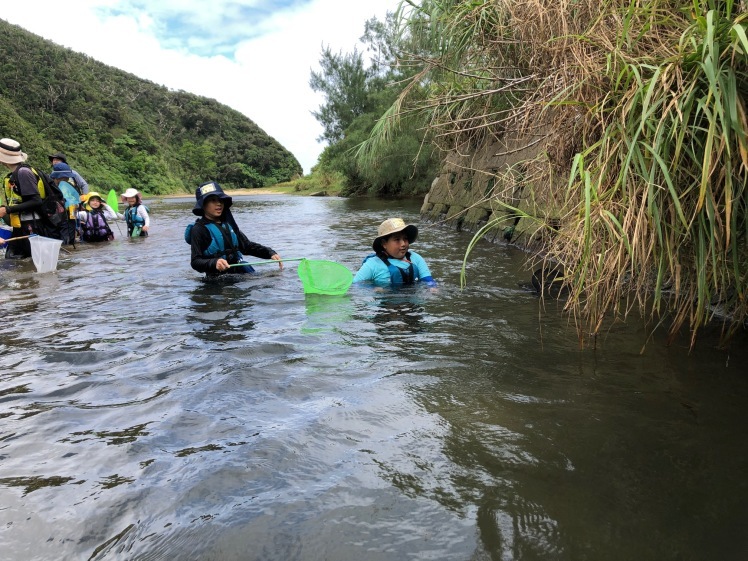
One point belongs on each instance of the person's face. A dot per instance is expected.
(94, 202)
(131, 201)
(396, 245)
(212, 208)
(56, 161)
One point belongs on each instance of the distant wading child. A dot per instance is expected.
(392, 262)
(94, 219)
(136, 214)
(216, 240)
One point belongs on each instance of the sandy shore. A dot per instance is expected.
(230, 193)
(252, 192)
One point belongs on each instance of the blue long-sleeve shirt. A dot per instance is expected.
(374, 270)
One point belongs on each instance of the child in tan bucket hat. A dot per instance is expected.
(393, 263)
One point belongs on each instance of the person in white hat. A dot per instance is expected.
(23, 200)
(393, 263)
(136, 214)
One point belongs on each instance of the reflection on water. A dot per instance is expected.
(148, 414)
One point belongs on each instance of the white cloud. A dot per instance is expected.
(263, 73)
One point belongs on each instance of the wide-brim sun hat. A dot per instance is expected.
(392, 226)
(130, 193)
(61, 169)
(209, 189)
(10, 152)
(93, 194)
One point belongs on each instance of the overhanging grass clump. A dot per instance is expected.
(643, 110)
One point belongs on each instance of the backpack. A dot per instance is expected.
(53, 201)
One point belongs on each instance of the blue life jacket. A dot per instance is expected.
(132, 217)
(217, 247)
(398, 276)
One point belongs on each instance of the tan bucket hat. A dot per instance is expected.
(392, 226)
(10, 152)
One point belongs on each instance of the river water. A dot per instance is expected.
(147, 414)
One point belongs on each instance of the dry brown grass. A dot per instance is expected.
(646, 102)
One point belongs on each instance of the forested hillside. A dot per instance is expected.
(121, 131)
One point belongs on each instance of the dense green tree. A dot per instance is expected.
(343, 81)
(357, 97)
(122, 131)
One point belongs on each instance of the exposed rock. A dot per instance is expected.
(483, 185)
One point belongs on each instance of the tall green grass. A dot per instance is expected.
(643, 108)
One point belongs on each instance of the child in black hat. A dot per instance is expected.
(216, 240)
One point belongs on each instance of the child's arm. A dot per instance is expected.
(109, 213)
(248, 247)
(143, 213)
(424, 274)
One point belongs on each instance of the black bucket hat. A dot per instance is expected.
(58, 156)
(209, 189)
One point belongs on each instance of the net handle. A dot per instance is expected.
(268, 261)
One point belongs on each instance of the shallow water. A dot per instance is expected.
(147, 414)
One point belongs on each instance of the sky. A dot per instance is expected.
(255, 56)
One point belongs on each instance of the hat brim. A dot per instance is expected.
(14, 159)
(410, 230)
(198, 208)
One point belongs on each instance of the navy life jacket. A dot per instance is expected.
(95, 228)
(398, 275)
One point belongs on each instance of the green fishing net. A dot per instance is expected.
(324, 277)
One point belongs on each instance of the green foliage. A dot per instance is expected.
(344, 83)
(666, 181)
(357, 98)
(120, 131)
(319, 181)
(641, 107)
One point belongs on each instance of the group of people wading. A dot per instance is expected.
(59, 205)
(218, 245)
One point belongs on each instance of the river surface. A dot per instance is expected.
(149, 415)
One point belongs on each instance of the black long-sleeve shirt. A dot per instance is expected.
(28, 191)
(201, 239)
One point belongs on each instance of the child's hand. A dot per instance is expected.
(277, 257)
(222, 265)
